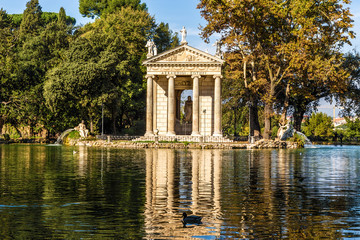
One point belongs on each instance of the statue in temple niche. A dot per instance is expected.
(81, 128)
(188, 110)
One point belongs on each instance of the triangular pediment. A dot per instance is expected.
(183, 54)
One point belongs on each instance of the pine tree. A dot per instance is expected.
(31, 21)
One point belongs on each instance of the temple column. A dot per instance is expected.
(171, 106)
(195, 108)
(149, 106)
(217, 106)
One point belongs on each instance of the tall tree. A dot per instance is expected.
(350, 99)
(103, 66)
(96, 8)
(164, 38)
(277, 37)
(31, 21)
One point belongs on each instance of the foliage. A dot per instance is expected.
(95, 8)
(103, 66)
(275, 48)
(350, 99)
(298, 139)
(352, 128)
(318, 126)
(74, 135)
(164, 38)
(47, 17)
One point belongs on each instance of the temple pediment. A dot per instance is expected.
(184, 54)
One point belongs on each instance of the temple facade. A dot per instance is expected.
(168, 75)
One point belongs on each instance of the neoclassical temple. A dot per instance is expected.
(168, 75)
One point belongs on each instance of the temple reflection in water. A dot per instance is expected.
(169, 192)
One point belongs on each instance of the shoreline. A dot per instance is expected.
(262, 144)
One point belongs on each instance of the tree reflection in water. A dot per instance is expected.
(52, 192)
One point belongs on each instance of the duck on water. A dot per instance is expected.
(190, 219)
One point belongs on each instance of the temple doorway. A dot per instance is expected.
(184, 112)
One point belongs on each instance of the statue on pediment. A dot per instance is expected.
(183, 36)
(152, 49)
(218, 48)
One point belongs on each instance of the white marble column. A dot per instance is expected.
(217, 106)
(149, 106)
(195, 108)
(171, 105)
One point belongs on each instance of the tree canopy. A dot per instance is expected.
(96, 8)
(53, 74)
(277, 48)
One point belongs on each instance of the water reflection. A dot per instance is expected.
(54, 192)
(178, 181)
(252, 194)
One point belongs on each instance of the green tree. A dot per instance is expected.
(103, 66)
(31, 21)
(47, 17)
(96, 8)
(6, 52)
(38, 49)
(164, 38)
(275, 38)
(318, 126)
(350, 99)
(352, 128)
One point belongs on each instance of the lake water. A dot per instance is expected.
(57, 192)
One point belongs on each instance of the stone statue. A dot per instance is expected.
(150, 45)
(285, 132)
(218, 48)
(188, 110)
(81, 128)
(183, 35)
(155, 50)
(152, 49)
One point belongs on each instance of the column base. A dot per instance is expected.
(217, 135)
(149, 133)
(195, 134)
(170, 134)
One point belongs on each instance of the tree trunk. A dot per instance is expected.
(268, 111)
(1, 125)
(91, 124)
(114, 122)
(285, 105)
(254, 118)
(298, 117)
(267, 114)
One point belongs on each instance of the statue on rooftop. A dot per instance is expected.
(152, 49)
(183, 35)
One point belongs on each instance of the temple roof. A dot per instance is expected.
(184, 55)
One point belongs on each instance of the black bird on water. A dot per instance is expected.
(190, 219)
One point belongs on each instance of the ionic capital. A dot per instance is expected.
(218, 76)
(171, 76)
(196, 76)
(150, 76)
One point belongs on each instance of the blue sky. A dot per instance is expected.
(176, 13)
